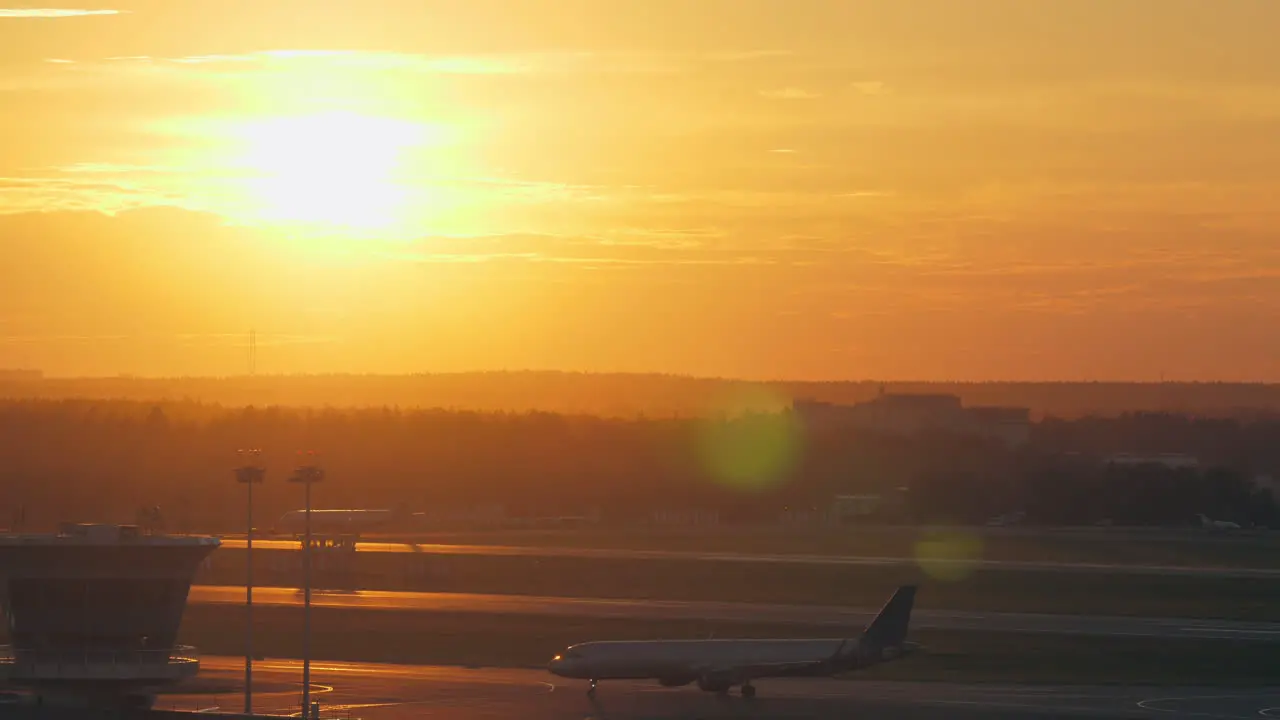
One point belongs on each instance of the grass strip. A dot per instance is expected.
(851, 586)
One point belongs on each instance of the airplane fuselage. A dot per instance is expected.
(333, 521)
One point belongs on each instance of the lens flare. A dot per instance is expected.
(949, 555)
(752, 443)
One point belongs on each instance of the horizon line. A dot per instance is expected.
(43, 376)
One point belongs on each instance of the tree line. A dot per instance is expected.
(91, 460)
(628, 395)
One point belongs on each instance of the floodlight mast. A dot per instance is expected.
(308, 474)
(249, 474)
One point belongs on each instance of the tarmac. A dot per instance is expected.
(776, 558)
(836, 617)
(363, 691)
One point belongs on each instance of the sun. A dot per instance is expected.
(339, 169)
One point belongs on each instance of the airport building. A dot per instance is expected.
(93, 613)
(911, 414)
(1168, 461)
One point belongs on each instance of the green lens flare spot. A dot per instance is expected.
(949, 555)
(753, 442)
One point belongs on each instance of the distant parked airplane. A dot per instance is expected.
(333, 522)
(718, 665)
(1217, 524)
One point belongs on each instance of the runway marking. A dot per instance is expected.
(1147, 705)
(1266, 712)
(1058, 710)
(1229, 630)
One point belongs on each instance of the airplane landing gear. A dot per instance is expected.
(748, 691)
(591, 691)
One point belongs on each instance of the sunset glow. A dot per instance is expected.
(336, 168)
(889, 189)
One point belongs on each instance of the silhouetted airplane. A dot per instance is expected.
(718, 665)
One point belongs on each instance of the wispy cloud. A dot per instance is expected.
(31, 339)
(870, 87)
(261, 339)
(489, 63)
(747, 55)
(480, 64)
(108, 194)
(53, 12)
(791, 93)
(91, 168)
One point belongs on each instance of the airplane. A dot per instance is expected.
(718, 665)
(1217, 524)
(343, 522)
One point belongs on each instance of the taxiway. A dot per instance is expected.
(744, 613)
(363, 691)
(775, 558)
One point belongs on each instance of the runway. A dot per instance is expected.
(774, 558)
(835, 617)
(361, 691)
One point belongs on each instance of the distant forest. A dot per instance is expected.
(634, 395)
(94, 460)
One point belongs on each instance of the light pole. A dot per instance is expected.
(308, 475)
(249, 474)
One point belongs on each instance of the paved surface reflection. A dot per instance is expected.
(391, 692)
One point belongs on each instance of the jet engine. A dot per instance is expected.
(714, 683)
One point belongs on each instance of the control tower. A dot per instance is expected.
(93, 613)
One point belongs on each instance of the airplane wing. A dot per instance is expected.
(737, 674)
(751, 671)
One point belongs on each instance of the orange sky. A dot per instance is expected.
(894, 189)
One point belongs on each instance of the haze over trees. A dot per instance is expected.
(654, 395)
(102, 460)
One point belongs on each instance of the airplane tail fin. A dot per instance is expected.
(889, 628)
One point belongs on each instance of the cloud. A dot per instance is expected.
(748, 55)
(790, 93)
(110, 194)
(476, 64)
(34, 339)
(53, 12)
(261, 339)
(118, 169)
(870, 87)
(633, 248)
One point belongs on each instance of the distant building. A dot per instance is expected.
(685, 518)
(806, 517)
(1170, 461)
(1009, 424)
(469, 516)
(848, 508)
(914, 414)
